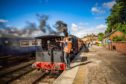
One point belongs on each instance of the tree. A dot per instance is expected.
(100, 36)
(117, 19)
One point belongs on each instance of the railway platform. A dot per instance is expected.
(77, 73)
(98, 66)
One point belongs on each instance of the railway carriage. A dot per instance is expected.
(15, 49)
(18, 46)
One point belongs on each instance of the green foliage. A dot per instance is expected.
(99, 44)
(119, 38)
(100, 36)
(121, 27)
(117, 18)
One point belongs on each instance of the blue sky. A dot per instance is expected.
(82, 16)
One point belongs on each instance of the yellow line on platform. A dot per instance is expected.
(81, 75)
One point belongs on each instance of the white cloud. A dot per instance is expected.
(94, 9)
(101, 27)
(82, 30)
(97, 10)
(101, 9)
(74, 27)
(109, 4)
(2, 20)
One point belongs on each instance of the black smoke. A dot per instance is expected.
(42, 22)
(61, 27)
(30, 28)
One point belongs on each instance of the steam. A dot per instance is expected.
(33, 30)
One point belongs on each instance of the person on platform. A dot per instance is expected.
(67, 48)
(109, 44)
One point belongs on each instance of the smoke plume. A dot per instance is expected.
(61, 27)
(33, 30)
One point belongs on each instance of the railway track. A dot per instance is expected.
(10, 61)
(47, 79)
(9, 75)
(36, 77)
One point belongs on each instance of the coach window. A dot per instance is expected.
(24, 43)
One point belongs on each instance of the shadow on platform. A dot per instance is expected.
(82, 59)
(81, 64)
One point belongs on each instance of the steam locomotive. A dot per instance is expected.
(51, 56)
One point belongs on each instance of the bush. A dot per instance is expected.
(99, 44)
(119, 38)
